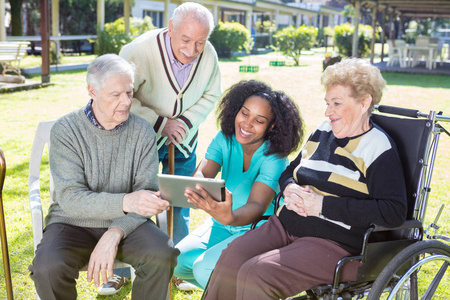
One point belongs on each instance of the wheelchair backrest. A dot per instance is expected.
(411, 138)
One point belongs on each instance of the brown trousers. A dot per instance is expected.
(267, 263)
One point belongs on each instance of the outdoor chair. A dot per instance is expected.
(393, 260)
(419, 53)
(396, 52)
(438, 53)
(41, 138)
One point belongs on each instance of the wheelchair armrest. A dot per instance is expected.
(262, 218)
(275, 209)
(409, 224)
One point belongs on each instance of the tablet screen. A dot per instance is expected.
(172, 188)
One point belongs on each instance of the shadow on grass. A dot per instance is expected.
(37, 76)
(419, 80)
(232, 59)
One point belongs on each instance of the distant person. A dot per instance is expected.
(347, 176)
(259, 129)
(103, 161)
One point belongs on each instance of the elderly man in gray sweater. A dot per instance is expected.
(104, 162)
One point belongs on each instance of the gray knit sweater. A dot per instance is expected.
(93, 169)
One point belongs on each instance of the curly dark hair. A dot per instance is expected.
(287, 133)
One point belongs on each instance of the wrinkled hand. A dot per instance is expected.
(302, 200)
(144, 203)
(102, 258)
(175, 131)
(220, 211)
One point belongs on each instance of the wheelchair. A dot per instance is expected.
(393, 260)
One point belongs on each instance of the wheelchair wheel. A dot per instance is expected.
(415, 273)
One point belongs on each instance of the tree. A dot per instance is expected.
(291, 41)
(77, 17)
(16, 17)
(349, 11)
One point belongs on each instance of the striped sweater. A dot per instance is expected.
(361, 180)
(157, 95)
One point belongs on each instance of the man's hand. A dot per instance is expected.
(144, 203)
(175, 131)
(102, 258)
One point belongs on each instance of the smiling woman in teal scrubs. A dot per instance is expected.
(259, 129)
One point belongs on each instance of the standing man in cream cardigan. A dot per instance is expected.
(177, 84)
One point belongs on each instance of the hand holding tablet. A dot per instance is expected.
(172, 188)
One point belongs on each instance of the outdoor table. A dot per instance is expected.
(409, 52)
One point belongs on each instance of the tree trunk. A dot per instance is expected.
(16, 17)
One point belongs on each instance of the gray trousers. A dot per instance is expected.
(65, 249)
(267, 263)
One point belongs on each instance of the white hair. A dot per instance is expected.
(193, 10)
(106, 66)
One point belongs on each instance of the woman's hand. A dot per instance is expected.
(302, 200)
(220, 211)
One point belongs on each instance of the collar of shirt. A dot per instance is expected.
(91, 117)
(180, 71)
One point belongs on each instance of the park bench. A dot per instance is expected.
(11, 53)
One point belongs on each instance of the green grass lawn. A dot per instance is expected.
(22, 111)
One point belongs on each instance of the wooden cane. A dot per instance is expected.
(5, 253)
(170, 212)
(171, 171)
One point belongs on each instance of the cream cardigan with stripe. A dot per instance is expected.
(157, 95)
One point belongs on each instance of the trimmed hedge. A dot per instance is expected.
(229, 37)
(113, 37)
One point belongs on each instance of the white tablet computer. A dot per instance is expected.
(172, 188)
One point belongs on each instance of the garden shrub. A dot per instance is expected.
(291, 41)
(230, 36)
(266, 27)
(343, 39)
(113, 37)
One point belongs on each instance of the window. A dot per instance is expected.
(157, 17)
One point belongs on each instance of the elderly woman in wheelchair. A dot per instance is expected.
(347, 176)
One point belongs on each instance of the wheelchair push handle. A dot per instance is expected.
(412, 113)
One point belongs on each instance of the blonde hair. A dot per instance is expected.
(357, 74)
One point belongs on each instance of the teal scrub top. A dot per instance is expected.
(266, 169)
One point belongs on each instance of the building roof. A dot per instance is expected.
(411, 8)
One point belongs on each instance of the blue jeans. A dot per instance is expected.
(183, 166)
